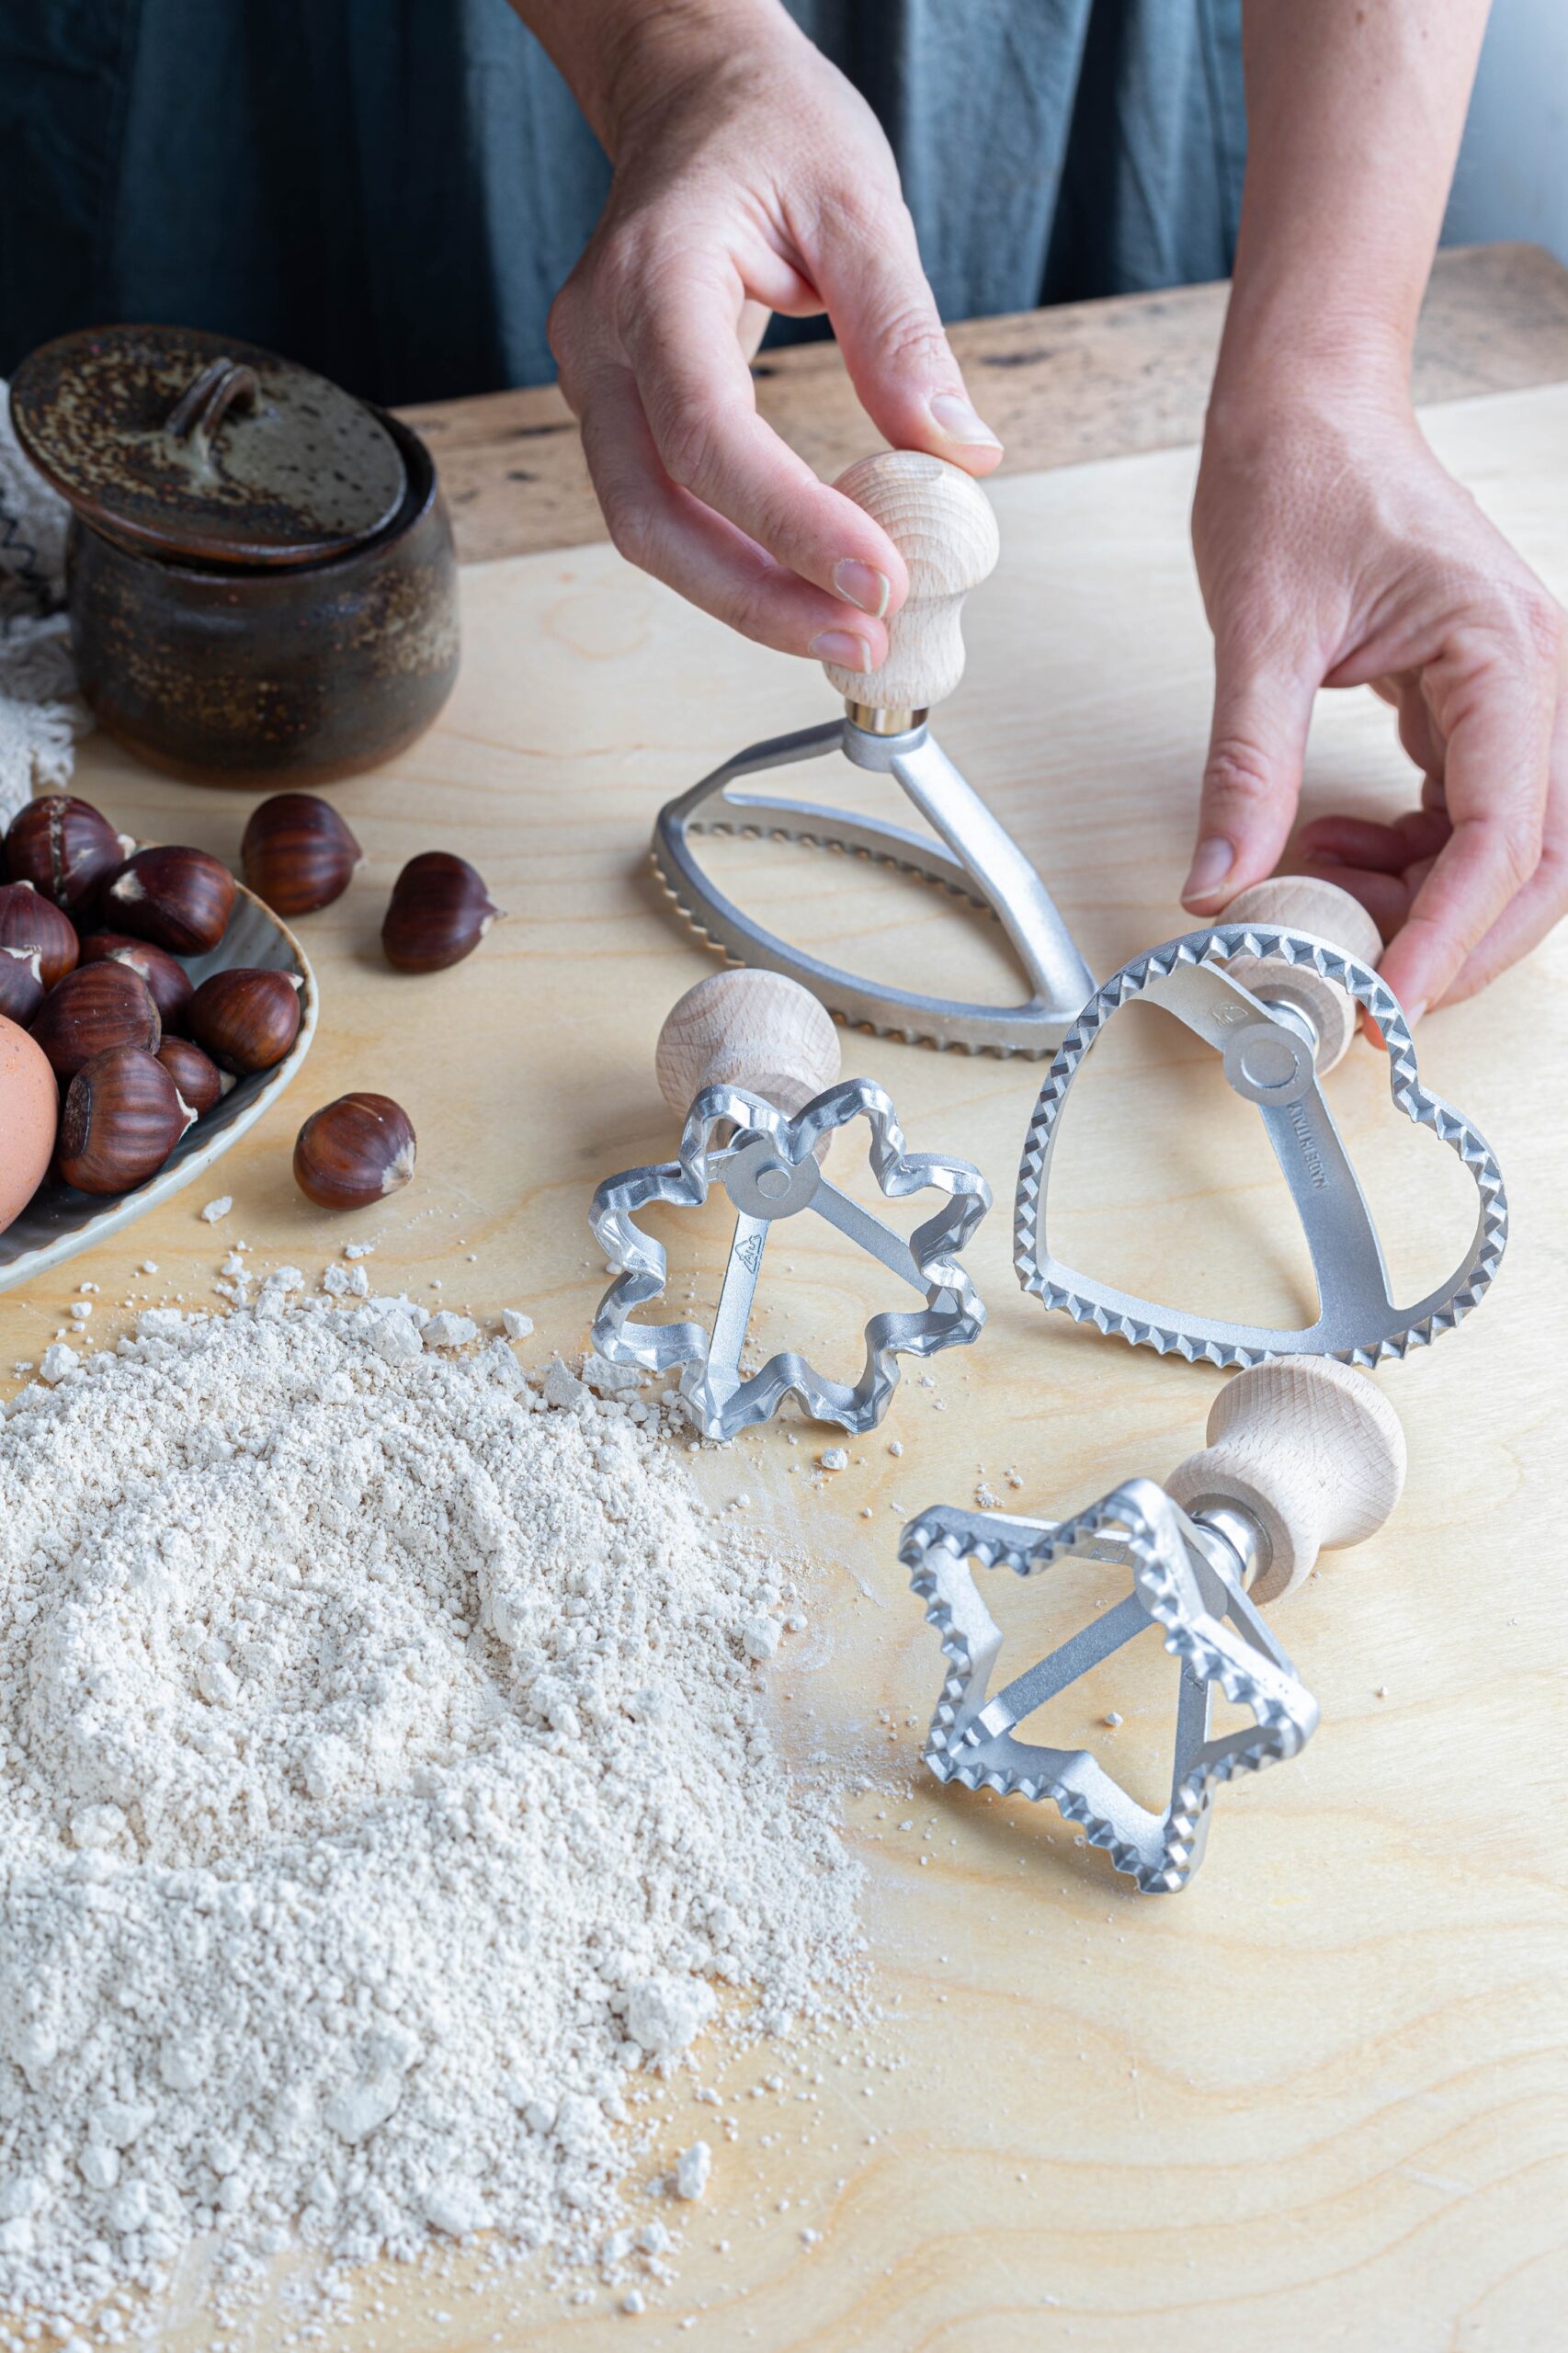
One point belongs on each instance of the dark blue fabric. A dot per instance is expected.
(392, 189)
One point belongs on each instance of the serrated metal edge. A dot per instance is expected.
(1218, 947)
(904, 1032)
(954, 1314)
(1285, 1717)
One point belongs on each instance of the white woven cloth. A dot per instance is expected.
(41, 713)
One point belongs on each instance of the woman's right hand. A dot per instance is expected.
(749, 178)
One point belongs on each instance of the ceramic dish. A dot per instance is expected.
(59, 1221)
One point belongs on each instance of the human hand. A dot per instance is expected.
(750, 177)
(1334, 549)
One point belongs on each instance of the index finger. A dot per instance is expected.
(698, 394)
(1497, 706)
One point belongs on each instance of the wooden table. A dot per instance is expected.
(1319, 2099)
(1086, 379)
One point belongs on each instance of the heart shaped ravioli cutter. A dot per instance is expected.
(1277, 1030)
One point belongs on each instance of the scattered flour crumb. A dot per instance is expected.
(219, 1207)
(56, 1362)
(448, 1331)
(663, 2014)
(760, 1636)
(396, 1336)
(693, 2168)
(561, 1386)
(514, 1324)
(347, 1282)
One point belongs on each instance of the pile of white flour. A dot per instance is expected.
(382, 1778)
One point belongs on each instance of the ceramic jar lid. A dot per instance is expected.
(195, 446)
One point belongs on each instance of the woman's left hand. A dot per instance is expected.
(1334, 549)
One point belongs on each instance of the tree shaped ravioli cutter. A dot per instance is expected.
(750, 1061)
(942, 524)
(1301, 1455)
(1275, 991)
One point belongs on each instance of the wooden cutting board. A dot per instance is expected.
(1319, 2099)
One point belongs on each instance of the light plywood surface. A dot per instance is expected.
(1320, 2098)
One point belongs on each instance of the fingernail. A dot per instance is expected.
(862, 584)
(1412, 1013)
(1324, 858)
(1213, 861)
(843, 649)
(954, 417)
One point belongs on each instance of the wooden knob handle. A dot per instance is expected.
(746, 1029)
(940, 521)
(1313, 1450)
(1302, 903)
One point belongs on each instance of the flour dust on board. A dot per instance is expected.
(384, 1780)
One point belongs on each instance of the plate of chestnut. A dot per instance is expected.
(152, 1007)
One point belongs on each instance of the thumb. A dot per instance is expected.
(886, 318)
(1252, 780)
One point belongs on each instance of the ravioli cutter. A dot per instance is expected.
(1301, 1456)
(750, 1061)
(1275, 990)
(942, 524)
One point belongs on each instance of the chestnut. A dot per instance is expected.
(353, 1152)
(28, 920)
(438, 913)
(298, 854)
(200, 1081)
(91, 1010)
(65, 848)
(123, 1117)
(168, 984)
(21, 984)
(246, 1019)
(178, 898)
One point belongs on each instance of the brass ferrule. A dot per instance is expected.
(882, 722)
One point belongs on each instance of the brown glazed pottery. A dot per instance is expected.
(260, 572)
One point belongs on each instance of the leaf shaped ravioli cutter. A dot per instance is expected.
(1278, 1029)
(940, 521)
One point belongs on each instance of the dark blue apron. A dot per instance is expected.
(391, 190)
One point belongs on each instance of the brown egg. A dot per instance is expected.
(29, 1113)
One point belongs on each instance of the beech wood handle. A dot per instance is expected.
(747, 1028)
(1312, 1448)
(1300, 903)
(940, 521)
